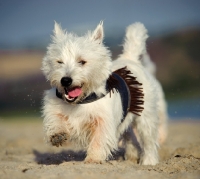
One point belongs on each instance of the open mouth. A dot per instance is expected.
(73, 93)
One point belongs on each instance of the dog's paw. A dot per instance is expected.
(92, 161)
(58, 139)
(148, 161)
(131, 158)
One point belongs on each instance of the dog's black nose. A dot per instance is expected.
(66, 81)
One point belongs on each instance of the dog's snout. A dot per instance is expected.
(66, 81)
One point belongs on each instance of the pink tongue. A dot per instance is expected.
(75, 92)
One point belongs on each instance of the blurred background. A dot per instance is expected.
(174, 45)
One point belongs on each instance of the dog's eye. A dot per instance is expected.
(60, 62)
(82, 62)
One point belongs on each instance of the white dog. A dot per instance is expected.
(94, 100)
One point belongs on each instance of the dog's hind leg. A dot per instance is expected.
(147, 131)
(132, 147)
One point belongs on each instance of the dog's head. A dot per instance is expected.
(77, 66)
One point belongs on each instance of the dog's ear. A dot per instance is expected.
(98, 33)
(58, 32)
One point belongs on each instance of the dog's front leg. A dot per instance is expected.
(102, 141)
(55, 129)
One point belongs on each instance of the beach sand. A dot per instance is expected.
(25, 155)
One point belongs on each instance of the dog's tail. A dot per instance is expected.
(134, 47)
(135, 41)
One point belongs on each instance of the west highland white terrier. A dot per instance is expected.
(95, 101)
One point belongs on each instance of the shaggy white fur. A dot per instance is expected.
(135, 39)
(79, 66)
(135, 51)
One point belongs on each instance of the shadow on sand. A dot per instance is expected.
(58, 158)
(67, 156)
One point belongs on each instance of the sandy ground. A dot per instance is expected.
(24, 154)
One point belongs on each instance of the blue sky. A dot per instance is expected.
(26, 20)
